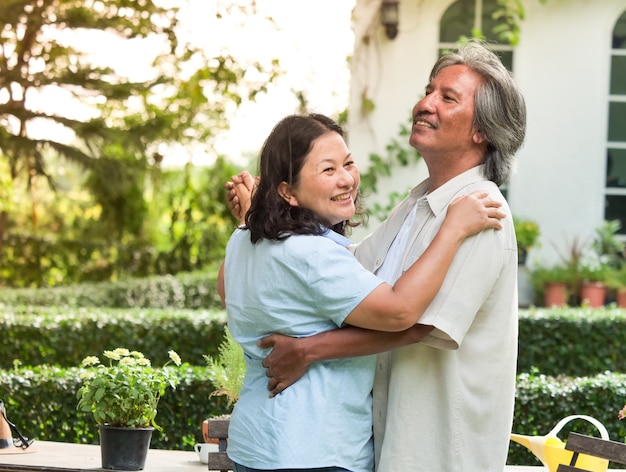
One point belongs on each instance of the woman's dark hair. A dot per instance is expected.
(283, 154)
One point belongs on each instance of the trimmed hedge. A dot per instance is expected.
(41, 401)
(65, 336)
(572, 341)
(184, 290)
(550, 340)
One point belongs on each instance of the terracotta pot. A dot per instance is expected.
(124, 448)
(555, 294)
(205, 434)
(592, 294)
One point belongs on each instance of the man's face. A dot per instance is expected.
(442, 120)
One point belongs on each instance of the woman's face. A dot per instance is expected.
(328, 180)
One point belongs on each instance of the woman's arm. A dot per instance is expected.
(398, 307)
(221, 291)
(239, 196)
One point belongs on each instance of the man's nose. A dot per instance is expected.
(425, 104)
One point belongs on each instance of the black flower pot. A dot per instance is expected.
(124, 448)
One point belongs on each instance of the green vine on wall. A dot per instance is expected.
(510, 14)
(398, 153)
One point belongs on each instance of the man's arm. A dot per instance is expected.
(291, 357)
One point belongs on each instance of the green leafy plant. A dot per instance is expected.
(228, 370)
(616, 278)
(593, 273)
(607, 243)
(557, 273)
(527, 234)
(126, 392)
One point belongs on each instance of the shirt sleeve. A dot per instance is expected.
(466, 287)
(336, 281)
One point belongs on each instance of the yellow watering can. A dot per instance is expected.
(550, 450)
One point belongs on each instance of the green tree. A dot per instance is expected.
(193, 219)
(117, 123)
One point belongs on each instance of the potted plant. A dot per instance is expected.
(592, 284)
(616, 280)
(527, 235)
(123, 396)
(226, 372)
(554, 283)
(607, 243)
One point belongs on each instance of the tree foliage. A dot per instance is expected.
(62, 102)
(115, 121)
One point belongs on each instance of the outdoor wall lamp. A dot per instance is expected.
(389, 17)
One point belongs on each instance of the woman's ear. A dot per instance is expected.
(284, 190)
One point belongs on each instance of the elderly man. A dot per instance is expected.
(444, 404)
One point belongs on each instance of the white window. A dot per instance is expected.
(615, 197)
(464, 17)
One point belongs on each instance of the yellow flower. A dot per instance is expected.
(127, 361)
(87, 375)
(175, 357)
(89, 361)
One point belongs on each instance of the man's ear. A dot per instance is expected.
(284, 190)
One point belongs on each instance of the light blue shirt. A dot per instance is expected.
(300, 286)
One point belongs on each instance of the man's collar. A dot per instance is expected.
(440, 198)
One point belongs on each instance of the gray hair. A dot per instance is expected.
(500, 110)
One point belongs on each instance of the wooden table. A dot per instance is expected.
(66, 457)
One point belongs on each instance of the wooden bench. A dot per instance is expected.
(218, 429)
(602, 448)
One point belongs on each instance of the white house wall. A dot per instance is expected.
(562, 63)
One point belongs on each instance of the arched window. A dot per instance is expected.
(615, 198)
(465, 16)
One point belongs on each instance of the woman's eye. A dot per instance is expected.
(329, 169)
(349, 164)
